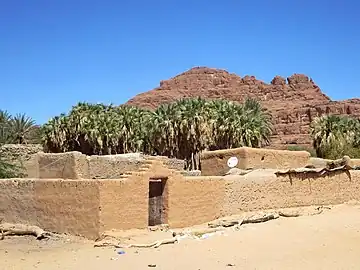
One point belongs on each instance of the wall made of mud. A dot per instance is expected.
(63, 206)
(322, 163)
(293, 190)
(124, 203)
(79, 207)
(215, 162)
(69, 165)
(112, 167)
(68, 206)
(74, 165)
(194, 200)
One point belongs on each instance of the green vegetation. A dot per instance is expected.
(335, 136)
(8, 169)
(302, 148)
(18, 129)
(182, 129)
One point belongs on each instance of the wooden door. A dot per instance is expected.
(155, 202)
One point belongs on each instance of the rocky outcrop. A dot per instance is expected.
(293, 102)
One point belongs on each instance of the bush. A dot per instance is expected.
(302, 148)
(9, 169)
(337, 152)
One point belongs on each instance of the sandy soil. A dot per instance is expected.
(330, 240)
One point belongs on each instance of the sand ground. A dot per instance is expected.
(330, 240)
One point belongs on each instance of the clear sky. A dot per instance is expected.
(54, 53)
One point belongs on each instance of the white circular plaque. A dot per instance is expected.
(232, 162)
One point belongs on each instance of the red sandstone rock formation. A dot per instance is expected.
(293, 102)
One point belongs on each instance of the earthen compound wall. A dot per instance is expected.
(195, 200)
(80, 207)
(215, 162)
(57, 205)
(91, 207)
(74, 165)
(292, 190)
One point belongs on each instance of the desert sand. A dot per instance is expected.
(330, 240)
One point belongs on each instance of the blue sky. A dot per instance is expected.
(56, 53)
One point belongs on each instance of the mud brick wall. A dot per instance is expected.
(124, 203)
(91, 207)
(69, 165)
(114, 166)
(74, 165)
(63, 206)
(244, 194)
(215, 162)
(194, 200)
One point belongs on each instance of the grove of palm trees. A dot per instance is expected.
(182, 130)
(335, 136)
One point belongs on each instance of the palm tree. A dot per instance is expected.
(333, 135)
(98, 129)
(235, 125)
(164, 130)
(5, 118)
(21, 127)
(257, 124)
(181, 129)
(194, 130)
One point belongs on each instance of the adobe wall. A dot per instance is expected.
(17, 201)
(244, 193)
(124, 203)
(355, 162)
(91, 207)
(321, 163)
(74, 165)
(215, 162)
(114, 166)
(69, 165)
(64, 206)
(79, 207)
(194, 200)
(68, 206)
(171, 163)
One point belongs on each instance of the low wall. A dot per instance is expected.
(91, 207)
(74, 165)
(355, 162)
(55, 205)
(69, 165)
(321, 163)
(124, 204)
(215, 162)
(79, 207)
(243, 193)
(113, 166)
(194, 200)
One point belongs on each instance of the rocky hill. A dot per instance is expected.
(293, 102)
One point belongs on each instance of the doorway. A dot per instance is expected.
(157, 202)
